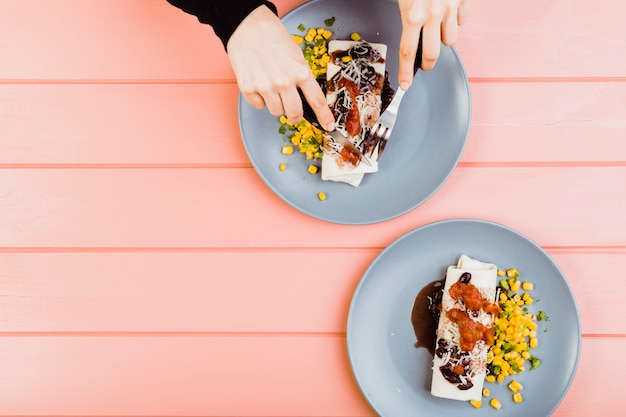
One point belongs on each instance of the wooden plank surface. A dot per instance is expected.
(187, 376)
(209, 208)
(146, 269)
(214, 291)
(153, 41)
(134, 124)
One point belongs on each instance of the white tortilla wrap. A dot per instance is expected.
(484, 277)
(333, 167)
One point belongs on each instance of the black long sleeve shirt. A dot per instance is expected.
(223, 15)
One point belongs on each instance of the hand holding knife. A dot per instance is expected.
(355, 153)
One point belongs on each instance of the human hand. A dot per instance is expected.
(438, 21)
(270, 67)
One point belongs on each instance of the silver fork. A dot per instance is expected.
(380, 132)
(379, 135)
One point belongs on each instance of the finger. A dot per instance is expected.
(408, 49)
(463, 12)
(255, 100)
(449, 28)
(317, 100)
(274, 103)
(292, 104)
(431, 44)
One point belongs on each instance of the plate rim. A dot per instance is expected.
(380, 219)
(439, 223)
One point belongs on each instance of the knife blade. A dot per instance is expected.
(309, 114)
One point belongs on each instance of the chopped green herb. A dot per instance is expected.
(542, 316)
(301, 27)
(534, 362)
(329, 22)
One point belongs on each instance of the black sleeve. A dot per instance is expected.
(223, 15)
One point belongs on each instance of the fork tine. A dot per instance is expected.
(371, 142)
(381, 148)
(382, 143)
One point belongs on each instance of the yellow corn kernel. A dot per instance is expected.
(526, 355)
(515, 386)
(527, 286)
(517, 397)
(312, 169)
(534, 342)
(512, 273)
(298, 39)
(495, 403)
(515, 286)
(486, 392)
(327, 34)
(500, 378)
(355, 37)
(287, 150)
(490, 378)
(282, 166)
(501, 273)
(346, 58)
(476, 403)
(321, 195)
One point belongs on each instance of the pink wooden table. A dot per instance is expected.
(146, 269)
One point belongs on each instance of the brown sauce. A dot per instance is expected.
(424, 324)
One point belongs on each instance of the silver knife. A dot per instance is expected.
(309, 114)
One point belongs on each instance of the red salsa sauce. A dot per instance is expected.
(471, 331)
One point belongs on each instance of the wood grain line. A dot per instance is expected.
(482, 80)
(179, 334)
(169, 334)
(504, 164)
(617, 249)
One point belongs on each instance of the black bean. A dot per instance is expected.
(448, 373)
(465, 386)
(465, 277)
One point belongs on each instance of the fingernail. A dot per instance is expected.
(330, 127)
(404, 85)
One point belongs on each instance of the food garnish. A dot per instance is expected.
(515, 330)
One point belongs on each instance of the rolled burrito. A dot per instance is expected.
(355, 77)
(465, 330)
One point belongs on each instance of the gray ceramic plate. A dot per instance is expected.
(395, 376)
(427, 142)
